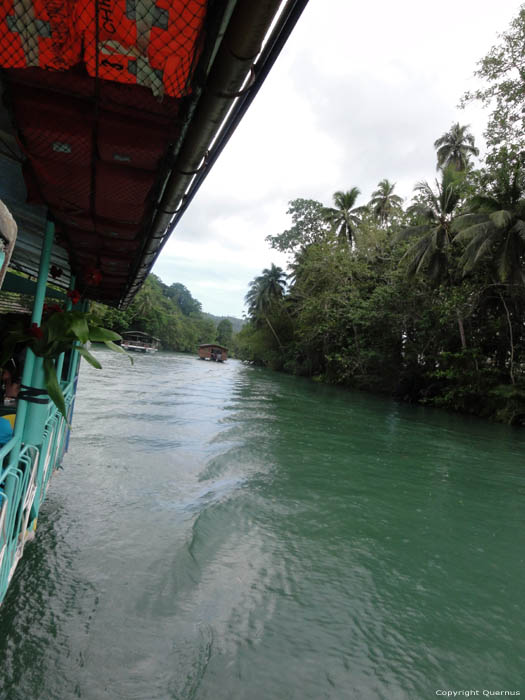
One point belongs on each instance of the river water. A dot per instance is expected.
(221, 532)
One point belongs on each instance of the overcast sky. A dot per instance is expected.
(359, 93)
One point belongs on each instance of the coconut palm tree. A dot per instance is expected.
(455, 148)
(494, 232)
(434, 211)
(144, 305)
(384, 202)
(265, 292)
(494, 228)
(344, 217)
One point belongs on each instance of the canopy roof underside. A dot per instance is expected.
(112, 114)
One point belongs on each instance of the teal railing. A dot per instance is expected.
(25, 472)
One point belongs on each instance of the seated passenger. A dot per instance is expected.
(10, 380)
(6, 429)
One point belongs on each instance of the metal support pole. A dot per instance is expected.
(30, 418)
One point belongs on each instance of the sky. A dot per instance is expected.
(359, 93)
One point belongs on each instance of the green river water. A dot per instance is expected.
(221, 532)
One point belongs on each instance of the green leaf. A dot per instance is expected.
(79, 326)
(58, 326)
(501, 218)
(88, 356)
(53, 387)
(117, 348)
(101, 335)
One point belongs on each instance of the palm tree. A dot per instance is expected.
(384, 202)
(435, 211)
(144, 306)
(344, 217)
(265, 292)
(495, 229)
(494, 232)
(491, 231)
(455, 148)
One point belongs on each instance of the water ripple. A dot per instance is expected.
(224, 532)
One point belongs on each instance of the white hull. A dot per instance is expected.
(137, 348)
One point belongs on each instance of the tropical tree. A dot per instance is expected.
(265, 292)
(308, 226)
(384, 203)
(344, 216)
(455, 148)
(183, 298)
(224, 332)
(434, 213)
(494, 235)
(145, 303)
(503, 72)
(494, 229)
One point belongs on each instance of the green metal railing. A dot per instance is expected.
(25, 472)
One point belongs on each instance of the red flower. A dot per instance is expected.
(93, 276)
(74, 295)
(36, 331)
(56, 272)
(53, 309)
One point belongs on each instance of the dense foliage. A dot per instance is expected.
(424, 302)
(169, 313)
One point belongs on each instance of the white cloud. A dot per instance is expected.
(359, 93)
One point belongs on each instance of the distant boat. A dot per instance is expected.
(137, 341)
(213, 352)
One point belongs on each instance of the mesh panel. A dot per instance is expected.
(38, 33)
(141, 42)
(152, 43)
(95, 89)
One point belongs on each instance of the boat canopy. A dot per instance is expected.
(139, 335)
(213, 345)
(112, 113)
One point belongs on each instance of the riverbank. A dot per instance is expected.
(503, 403)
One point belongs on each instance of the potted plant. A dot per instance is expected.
(60, 331)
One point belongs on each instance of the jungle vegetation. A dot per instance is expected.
(169, 313)
(421, 300)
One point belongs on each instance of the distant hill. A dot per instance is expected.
(170, 313)
(237, 323)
